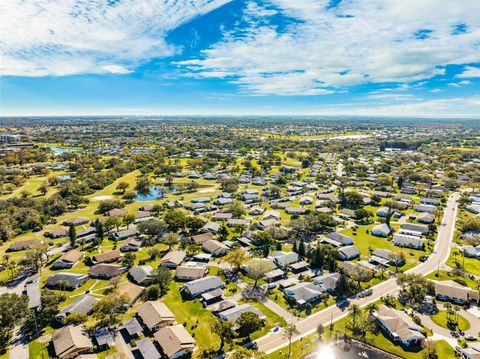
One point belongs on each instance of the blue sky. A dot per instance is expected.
(201, 57)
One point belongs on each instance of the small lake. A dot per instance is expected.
(59, 150)
(154, 193)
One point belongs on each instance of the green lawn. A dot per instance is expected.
(38, 350)
(445, 275)
(441, 319)
(365, 242)
(471, 265)
(194, 316)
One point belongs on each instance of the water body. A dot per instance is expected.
(59, 150)
(352, 351)
(154, 193)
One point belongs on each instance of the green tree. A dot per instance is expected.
(162, 277)
(72, 236)
(225, 331)
(108, 309)
(122, 187)
(248, 322)
(170, 239)
(256, 269)
(288, 333)
(235, 258)
(13, 312)
(128, 219)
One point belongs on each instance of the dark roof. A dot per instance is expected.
(133, 327)
(147, 349)
(84, 305)
(74, 280)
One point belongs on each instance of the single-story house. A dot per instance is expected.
(274, 275)
(338, 239)
(381, 256)
(271, 214)
(305, 292)
(71, 341)
(106, 257)
(68, 260)
(132, 244)
(210, 227)
(406, 240)
(327, 282)
(420, 228)
(398, 326)
(197, 287)
(71, 280)
(256, 210)
(296, 210)
(124, 234)
(133, 328)
(381, 230)
(105, 271)
(425, 208)
(282, 259)
(455, 292)
(25, 244)
(175, 341)
(173, 259)
(131, 290)
(188, 273)
(77, 221)
(155, 315)
(141, 274)
(147, 349)
(199, 239)
(215, 248)
(348, 252)
(83, 304)
(234, 313)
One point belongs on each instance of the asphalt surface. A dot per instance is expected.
(307, 326)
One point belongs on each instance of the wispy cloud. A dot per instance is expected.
(470, 72)
(355, 42)
(64, 37)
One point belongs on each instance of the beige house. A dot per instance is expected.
(173, 259)
(452, 291)
(175, 341)
(399, 327)
(155, 315)
(71, 341)
(190, 272)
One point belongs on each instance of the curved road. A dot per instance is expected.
(307, 326)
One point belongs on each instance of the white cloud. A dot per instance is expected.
(357, 42)
(460, 83)
(64, 37)
(470, 72)
(442, 108)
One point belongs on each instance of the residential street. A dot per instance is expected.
(439, 256)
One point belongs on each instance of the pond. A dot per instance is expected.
(63, 178)
(59, 150)
(154, 193)
(352, 351)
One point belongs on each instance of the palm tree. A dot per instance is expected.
(371, 308)
(320, 331)
(354, 311)
(289, 332)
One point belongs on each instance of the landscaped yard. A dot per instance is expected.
(441, 319)
(196, 318)
(471, 265)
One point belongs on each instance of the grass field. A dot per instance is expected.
(441, 319)
(471, 265)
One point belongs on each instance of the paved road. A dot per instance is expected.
(439, 256)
